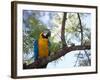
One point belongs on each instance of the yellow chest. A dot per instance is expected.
(43, 48)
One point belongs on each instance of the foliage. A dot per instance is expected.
(35, 28)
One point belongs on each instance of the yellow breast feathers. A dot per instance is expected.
(43, 47)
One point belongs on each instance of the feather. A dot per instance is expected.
(43, 47)
(35, 49)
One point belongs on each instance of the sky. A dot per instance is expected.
(66, 61)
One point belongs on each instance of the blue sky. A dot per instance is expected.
(66, 61)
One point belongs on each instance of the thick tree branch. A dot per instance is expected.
(44, 61)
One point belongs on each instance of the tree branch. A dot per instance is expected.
(44, 61)
(63, 30)
(81, 27)
(89, 60)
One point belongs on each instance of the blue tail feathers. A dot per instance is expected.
(35, 44)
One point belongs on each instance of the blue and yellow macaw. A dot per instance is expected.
(41, 46)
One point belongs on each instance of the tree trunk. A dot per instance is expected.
(63, 30)
(81, 28)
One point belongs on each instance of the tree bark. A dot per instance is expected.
(81, 28)
(40, 63)
(63, 30)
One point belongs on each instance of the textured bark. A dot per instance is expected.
(42, 63)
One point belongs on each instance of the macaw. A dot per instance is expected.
(41, 46)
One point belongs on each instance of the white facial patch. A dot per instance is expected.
(44, 34)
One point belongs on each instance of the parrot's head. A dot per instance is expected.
(46, 34)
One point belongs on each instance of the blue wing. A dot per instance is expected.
(35, 44)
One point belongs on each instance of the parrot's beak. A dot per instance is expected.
(46, 34)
